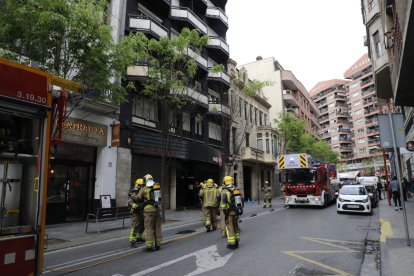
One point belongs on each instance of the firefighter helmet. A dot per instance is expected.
(228, 180)
(148, 180)
(139, 182)
(210, 181)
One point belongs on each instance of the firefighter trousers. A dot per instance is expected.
(153, 234)
(232, 228)
(210, 215)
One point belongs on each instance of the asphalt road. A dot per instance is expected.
(298, 241)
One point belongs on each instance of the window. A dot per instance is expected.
(260, 118)
(358, 122)
(255, 116)
(352, 86)
(186, 122)
(378, 45)
(361, 130)
(357, 103)
(214, 131)
(358, 112)
(260, 144)
(356, 94)
(233, 138)
(240, 106)
(245, 110)
(251, 114)
(247, 139)
(145, 108)
(361, 141)
(198, 125)
(265, 119)
(267, 146)
(371, 5)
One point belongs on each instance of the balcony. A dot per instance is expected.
(200, 59)
(290, 98)
(137, 72)
(370, 111)
(294, 110)
(144, 24)
(215, 42)
(221, 77)
(217, 13)
(218, 108)
(187, 15)
(252, 154)
(191, 93)
(323, 119)
(342, 114)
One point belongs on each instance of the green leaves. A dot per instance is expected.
(296, 140)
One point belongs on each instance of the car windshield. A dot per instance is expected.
(304, 176)
(353, 191)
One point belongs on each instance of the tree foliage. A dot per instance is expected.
(69, 39)
(296, 140)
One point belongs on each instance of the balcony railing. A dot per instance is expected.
(190, 92)
(139, 71)
(147, 25)
(200, 59)
(215, 12)
(215, 107)
(290, 98)
(182, 13)
(223, 76)
(217, 42)
(252, 154)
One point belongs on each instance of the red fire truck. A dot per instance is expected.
(31, 115)
(306, 181)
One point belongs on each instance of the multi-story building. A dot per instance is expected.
(364, 108)
(390, 38)
(254, 143)
(331, 97)
(286, 94)
(199, 142)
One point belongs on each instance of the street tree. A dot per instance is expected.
(172, 69)
(69, 39)
(296, 140)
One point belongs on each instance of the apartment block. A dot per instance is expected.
(364, 107)
(286, 94)
(198, 145)
(331, 97)
(254, 142)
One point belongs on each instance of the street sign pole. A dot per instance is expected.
(397, 165)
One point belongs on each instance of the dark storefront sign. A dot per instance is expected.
(150, 143)
(84, 132)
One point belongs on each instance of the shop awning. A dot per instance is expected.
(350, 174)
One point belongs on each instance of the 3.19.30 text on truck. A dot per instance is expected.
(306, 181)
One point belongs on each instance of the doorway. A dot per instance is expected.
(69, 191)
(247, 179)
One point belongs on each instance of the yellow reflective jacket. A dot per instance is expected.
(209, 195)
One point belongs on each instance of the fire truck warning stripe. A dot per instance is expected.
(303, 161)
(281, 162)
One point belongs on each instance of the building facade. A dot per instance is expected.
(331, 97)
(390, 36)
(254, 143)
(198, 142)
(364, 106)
(286, 94)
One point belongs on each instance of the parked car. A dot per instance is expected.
(354, 198)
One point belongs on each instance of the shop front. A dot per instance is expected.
(71, 186)
(190, 163)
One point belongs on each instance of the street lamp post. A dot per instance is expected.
(257, 174)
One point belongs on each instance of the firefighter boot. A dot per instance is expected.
(208, 228)
(231, 246)
(133, 245)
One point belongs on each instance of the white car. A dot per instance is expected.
(353, 198)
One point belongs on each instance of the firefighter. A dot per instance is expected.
(151, 197)
(267, 199)
(139, 184)
(210, 197)
(133, 206)
(222, 216)
(201, 187)
(232, 204)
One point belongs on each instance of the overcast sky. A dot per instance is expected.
(317, 40)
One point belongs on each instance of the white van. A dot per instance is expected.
(368, 180)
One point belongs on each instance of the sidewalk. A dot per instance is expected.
(59, 236)
(396, 257)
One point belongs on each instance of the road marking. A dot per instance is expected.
(386, 230)
(325, 242)
(206, 259)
